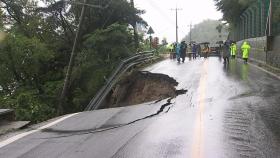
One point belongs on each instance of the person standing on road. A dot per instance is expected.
(194, 47)
(233, 50)
(171, 50)
(198, 50)
(206, 51)
(189, 50)
(178, 55)
(183, 50)
(245, 51)
(226, 52)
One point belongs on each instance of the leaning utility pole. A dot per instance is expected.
(176, 10)
(71, 62)
(136, 39)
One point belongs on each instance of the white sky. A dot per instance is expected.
(162, 19)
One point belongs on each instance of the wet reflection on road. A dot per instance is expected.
(242, 116)
(229, 111)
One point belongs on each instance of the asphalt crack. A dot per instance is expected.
(98, 130)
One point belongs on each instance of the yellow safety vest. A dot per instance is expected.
(233, 49)
(245, 50)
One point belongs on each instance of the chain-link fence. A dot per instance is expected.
(257, 20)
(276, 17)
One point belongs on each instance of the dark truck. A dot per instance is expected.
(216, 48)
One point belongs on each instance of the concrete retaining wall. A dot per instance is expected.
(273, 57)
(258, 46)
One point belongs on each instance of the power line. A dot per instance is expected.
(161, 12)
(90, 5)
(77, 3)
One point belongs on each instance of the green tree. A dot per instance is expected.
(1, 20)
(2, 34)
(36, 50)
(25, 65)
(105, 48)
(232, 9)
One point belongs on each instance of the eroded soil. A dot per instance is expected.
(141, 87)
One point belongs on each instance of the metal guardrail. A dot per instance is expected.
(127, 63)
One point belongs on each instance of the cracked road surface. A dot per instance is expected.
(228, 112)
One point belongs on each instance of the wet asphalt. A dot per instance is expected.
(228, 112)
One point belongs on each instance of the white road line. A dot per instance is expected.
(19, 136)
(260, 68)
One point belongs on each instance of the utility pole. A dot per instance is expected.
(71, 62)
(176, 10)
(73, 52)
(190, 32)
(136, 39)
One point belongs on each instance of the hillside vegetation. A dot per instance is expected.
(35, 47)
(207, 31)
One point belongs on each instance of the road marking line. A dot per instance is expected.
(198, 142)
(260, 68)
(263, 69)
(19, 136)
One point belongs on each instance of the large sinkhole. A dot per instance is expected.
(142, 87)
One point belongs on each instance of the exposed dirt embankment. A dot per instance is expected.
(141, 87)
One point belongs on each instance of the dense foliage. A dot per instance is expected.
(35, 50)
(232, 9)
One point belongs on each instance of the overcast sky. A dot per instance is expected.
(162, 19)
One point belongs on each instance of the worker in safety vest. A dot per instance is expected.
(245, 51)
(170, 48)
(233, 50)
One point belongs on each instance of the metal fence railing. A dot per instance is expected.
(276, 17)
(126, 64)
(255, 20)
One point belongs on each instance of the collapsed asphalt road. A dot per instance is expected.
(228, 112)
(140, 87)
